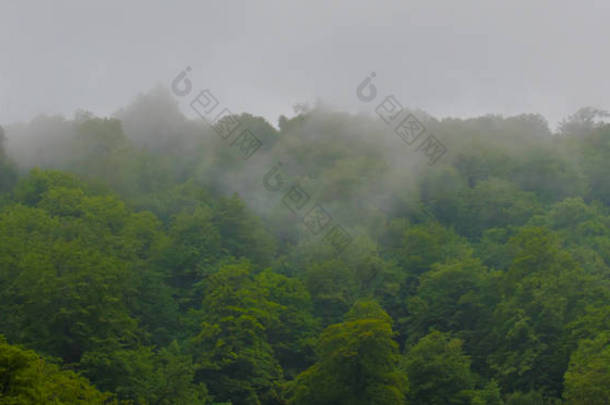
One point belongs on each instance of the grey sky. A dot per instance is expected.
(450, 58)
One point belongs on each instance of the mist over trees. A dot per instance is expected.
(144, 261)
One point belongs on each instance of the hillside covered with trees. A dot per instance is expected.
(146, 259)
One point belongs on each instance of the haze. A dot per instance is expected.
(461, 59)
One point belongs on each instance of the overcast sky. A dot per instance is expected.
(449, 58)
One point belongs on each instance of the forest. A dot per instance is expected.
(147, 258)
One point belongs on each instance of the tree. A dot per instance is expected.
(59, 295)
(494, 203)
(439, 371)
(242, 234)
(425, 244)
(231, 350)
(525, 398)
(587, 380)
(488, 395)
(459, 298)
(594, 151)
(163, 377)
(582, 122)
(293, 329)
(100, 152)
(26, 379)
(333, 289)
(194, 248)
(543, 291)
(357, 363)
(8, 173)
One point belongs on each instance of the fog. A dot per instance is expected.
(304, 202)
(320, 74)
(355, 166)
(450, 59)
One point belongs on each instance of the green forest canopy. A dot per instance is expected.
(143, 261)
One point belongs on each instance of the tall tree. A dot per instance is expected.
(587, 380)
(439, 371)
(357, 363)
(27, 379)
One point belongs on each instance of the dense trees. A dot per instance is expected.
(357, 362)
(439, 371)
(26, 379)
(7, 170)
(587, 378)
(146, 263)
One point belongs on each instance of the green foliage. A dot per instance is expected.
(59, 295)
(332, 287)
(141, 375)
(587, 380)
(127, 257)
(458, 298)
(488, 395)
(438, 370)
(494, 203)
(242, 234)
(26, 379)
(425, 244)
(293, 329)
(8, 172)
(231, 351)
(529, 398)
(193, 251)
(595, 150)
(357, 363)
